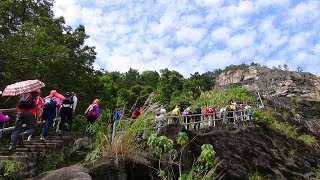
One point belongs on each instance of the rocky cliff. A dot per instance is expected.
(273, 82)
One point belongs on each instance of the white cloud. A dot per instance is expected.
(221, 34)
(242, 40)
(197, 36)
(316, 49)
(218, 59)
(190, 35)
(305, 11)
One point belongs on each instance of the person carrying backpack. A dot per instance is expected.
(28, 110)
(186, 116)
(197, 117)
(93, 112)
(67, 110)
(50, 107)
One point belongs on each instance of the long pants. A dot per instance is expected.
(22, 118)
(159, 126)
(197, 119)
(187, 121)
(49, 121)
(65, 113)
(175, 119)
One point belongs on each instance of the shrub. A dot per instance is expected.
(256, 176)
(308, 139)
(264, 117)
(207, 155)
(10, 169)
(285, 128)
(221, 99)
(182, 138)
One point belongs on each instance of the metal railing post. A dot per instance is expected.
(113, 131)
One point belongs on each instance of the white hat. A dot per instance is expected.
(0, 92)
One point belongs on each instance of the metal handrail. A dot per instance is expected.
(204, 119)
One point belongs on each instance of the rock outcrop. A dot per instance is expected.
(67, 173)
(272, 82)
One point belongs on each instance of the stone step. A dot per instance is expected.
(18, 153)
(13, 158)
(43, 142)
(55, 137)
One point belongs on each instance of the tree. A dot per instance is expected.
(286, 67)
(299, 69)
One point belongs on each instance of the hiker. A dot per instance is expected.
(160, 119)
(176, 115)
(68, 107)
(249, 112)
(51, 106)
(28, 110)
(197, 117)
(93, 111)
(118, 114)
(186, 114)
(231, 108)
(3, 120)
(222, 115)
(136, 113)
(208, 114)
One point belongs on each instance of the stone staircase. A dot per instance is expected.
(29, 154)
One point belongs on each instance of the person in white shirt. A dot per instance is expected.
(68, 107)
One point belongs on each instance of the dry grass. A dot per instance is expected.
(122, 146)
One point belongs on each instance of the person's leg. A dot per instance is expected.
(16, 130)
(69, 117)
(49, 122)
(188, 121)
(29, 120)
(63, 116)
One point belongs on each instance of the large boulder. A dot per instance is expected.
(66, 173)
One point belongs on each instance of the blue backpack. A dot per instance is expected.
(50, 103)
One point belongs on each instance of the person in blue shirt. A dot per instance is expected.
(118, 114)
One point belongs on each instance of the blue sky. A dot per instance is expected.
(198, 35)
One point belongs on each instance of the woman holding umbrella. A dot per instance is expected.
(28, 108)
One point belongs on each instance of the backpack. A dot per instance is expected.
(26, 101)
(90, 111)
(68, 98)
(50, 103)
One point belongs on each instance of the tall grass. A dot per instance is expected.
(221, 99)
(125, 143)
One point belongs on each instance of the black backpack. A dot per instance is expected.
(68, 98)
(26, 101)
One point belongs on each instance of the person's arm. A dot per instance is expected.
(75, 102)
(39, 109)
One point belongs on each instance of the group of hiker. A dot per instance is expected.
(234, 112)
(31, 108)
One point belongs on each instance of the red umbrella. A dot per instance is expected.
(22, 87)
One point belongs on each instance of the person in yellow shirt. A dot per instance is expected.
(176, 115)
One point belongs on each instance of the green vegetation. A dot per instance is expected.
(182, 138)
(256, 176)
(267, 117)
(308, 139)
(221, 99)
(10, 169)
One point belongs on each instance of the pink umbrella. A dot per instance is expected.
(22, 87)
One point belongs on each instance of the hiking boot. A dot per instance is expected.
(59, 133)
(12, 148)
(29, 138)
(42, 138)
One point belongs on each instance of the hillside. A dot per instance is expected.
(281, 143)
